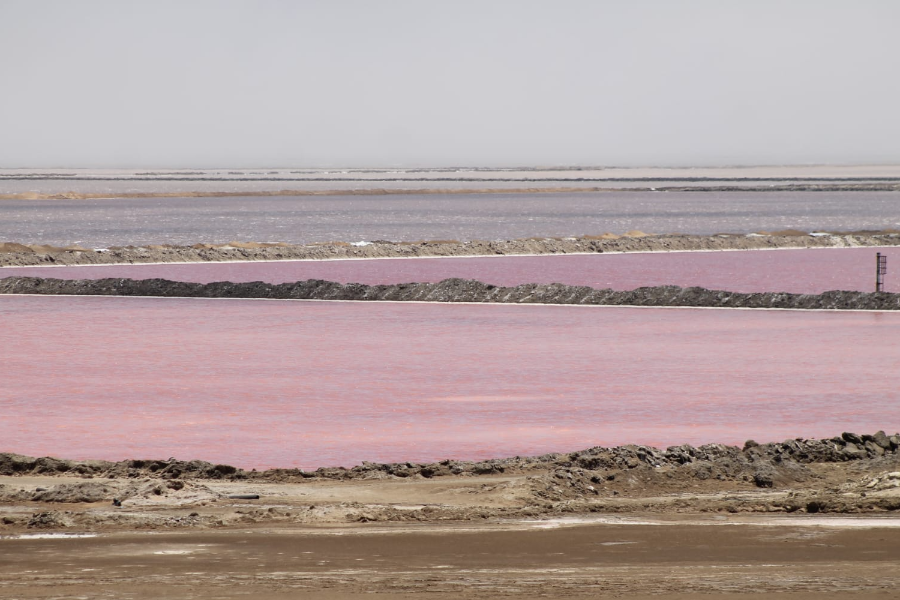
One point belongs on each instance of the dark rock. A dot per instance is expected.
(764, 477)
(852, 438)
(873, 449)
(882, 440)
(853, 452)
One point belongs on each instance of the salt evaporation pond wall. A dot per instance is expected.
(807, 271)
(278, 383)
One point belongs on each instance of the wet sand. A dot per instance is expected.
(713, 560)
(817, 520)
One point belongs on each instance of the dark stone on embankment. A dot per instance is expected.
(456, 290)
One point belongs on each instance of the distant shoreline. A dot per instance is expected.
(800, 186)
(54, 184)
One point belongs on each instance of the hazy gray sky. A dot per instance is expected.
(219, 83)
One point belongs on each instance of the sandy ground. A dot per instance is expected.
(722, 558)
(641, 532)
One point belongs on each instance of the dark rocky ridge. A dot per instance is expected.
(763, 464)
(455, 290)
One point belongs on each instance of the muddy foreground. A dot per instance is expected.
(805, 518)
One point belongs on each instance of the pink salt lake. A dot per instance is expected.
(279, 383)
(796, 271)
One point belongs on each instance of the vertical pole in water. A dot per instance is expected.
(880, 270)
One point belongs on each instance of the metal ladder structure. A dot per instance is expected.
(880, 270)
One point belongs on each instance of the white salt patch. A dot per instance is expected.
(616, 543)
(51, 536)
(793, 521)
(569, 521)
(841, 522)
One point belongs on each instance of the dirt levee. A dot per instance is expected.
(455, 290)
(19, 254)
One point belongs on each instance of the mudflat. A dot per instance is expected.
(714, 557)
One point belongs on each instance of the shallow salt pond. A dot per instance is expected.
(308, 384)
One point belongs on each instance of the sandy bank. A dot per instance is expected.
(850, 473)
(713, 522)
(18, 254)
(729, 558)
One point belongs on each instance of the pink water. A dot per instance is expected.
(797, 271)
(278, 383)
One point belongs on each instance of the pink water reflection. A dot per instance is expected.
(797, 271)
(279, 383)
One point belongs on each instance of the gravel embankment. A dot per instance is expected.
(16, 254)
(455, 290)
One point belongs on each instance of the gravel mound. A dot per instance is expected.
(456, 290)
